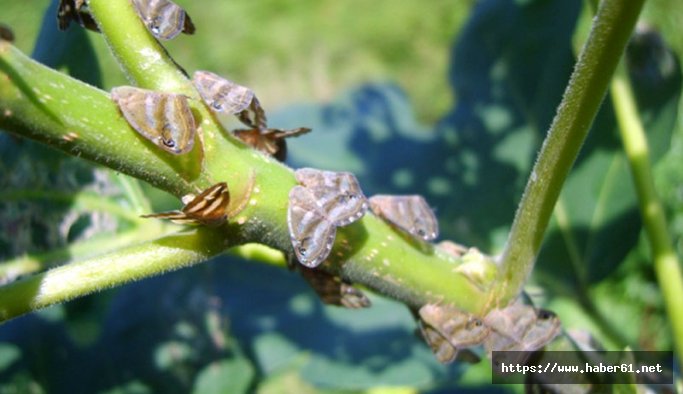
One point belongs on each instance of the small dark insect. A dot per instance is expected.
(270, 141)
(332, 290)
(77, 11)
(6, 33)
(164, 18)
(163, 118)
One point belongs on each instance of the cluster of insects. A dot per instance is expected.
(517, 327)
(321, 202)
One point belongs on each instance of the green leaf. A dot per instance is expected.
(8, 355)
(600, 223)
(509, 67)
(70, 49)
(227, 376)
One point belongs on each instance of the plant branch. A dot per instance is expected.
(666, 264)
(47, 106)
(585, 92)
(31, 263)
(132, 263)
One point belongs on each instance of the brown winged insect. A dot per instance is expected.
(411, 214)
(270, 141)
(520, 327)
(311, 232)
(77, 11)
(326, 200)
(164, 18)
(332, 290)
(447, 330)
(209, 208)
(223, 95)
(163, 118)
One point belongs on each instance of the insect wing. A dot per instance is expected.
(333, 291)
(460, 329)
(338, 193)
(520, 327)
(65, 12)
(175, 216)
(269, 141)
(163, 118)
(163, 18)
(281, 133)
(311, 233)
(259, 141)
(221, 94)
(442, 349)
(210, 207)
(75, 10)
(411, 214)
(545, 328)
(254, 116)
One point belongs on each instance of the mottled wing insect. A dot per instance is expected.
(270, 141)
(75, 10)
(311, 232)
(163, 118)
(338, 193)
(332, 290)
(447, 330)
(164, 18)
(208, 208)
(222, 95)
(520, 327)
(411, 214)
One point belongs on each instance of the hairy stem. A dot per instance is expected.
(47, 106)
(587, 87)
(666, 264)
(128, 264)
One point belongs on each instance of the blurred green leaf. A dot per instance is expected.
(8, 355)
(602, 221)
(134, 387)
(228, 376)
(70, 49)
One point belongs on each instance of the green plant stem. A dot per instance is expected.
(144, 61)
(42, 104)
(133, 191)
(31, 263)
(132, 263)
(588, 84)
(666, 264)
(83, 201)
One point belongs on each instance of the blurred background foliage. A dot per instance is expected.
(443, 98)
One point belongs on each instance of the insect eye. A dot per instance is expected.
(170, 143)
(545, 315)
(302, 251)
